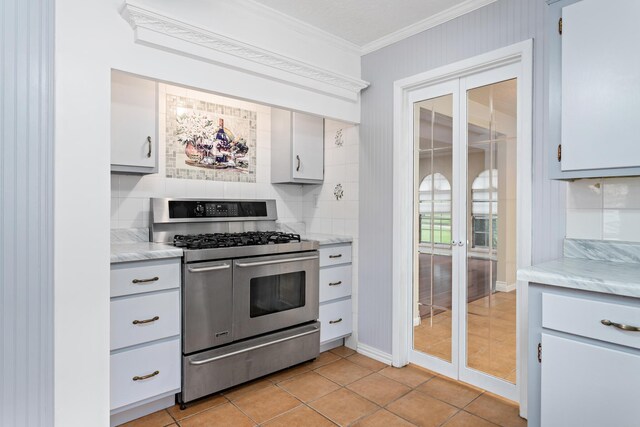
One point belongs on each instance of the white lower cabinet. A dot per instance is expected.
(585, 384)
(144, 372)
(145, 337)
(335, 319)
(584, 358)
(335, 292)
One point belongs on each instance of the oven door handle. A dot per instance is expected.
(255, 347)
(275, 261)
(212, 268)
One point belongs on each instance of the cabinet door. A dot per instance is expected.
(588, 385)
(308, 147)
(133, 122)
(600, 85)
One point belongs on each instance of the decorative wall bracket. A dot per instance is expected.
(149, 24)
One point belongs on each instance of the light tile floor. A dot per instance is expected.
(344, 388)
(491, 335)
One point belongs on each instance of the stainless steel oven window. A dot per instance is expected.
(277, 293)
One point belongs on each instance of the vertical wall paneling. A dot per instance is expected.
(26, 212)
(497, 25)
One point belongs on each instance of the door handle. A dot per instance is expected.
(274, 261)
(141, 322)
(335, 256)
(153, 279)
(622, 326)
(149, 142)
(298, 167)
(144, 377)
(212, 268)
(339, 282)
(331, 322)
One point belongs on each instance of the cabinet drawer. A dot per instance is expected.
(163, 358)
(581, 316)
(335, 282)
(339, 313)
(144, 276)
(164, 306)
(333, 255)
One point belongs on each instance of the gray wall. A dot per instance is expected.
(497, 25)
(26, 213)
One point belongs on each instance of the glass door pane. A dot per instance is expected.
(491, 229)
(433, 135)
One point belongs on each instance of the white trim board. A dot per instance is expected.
(153, 28)
(374, 353)
(430, 22)
(520, 54)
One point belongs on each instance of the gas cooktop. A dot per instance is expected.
(227, 240)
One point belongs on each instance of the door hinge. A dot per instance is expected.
(559, 152)
(560, 26)
(539, 352)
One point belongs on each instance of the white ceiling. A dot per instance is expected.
(363, 22)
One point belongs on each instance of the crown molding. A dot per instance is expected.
(301, 26)
(148, 24)
(425, 24)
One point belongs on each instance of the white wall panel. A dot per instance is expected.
(26, 213)
(497, 25)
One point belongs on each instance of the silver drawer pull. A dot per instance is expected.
(622, 326)
(144, 377)
(331, 322)
(339, 282)
(335, 256)
(141, 322)
(153, 279)
(212, 268)
(274, 261)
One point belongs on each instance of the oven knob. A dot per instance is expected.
(199, 210)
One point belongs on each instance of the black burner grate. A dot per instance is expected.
(226, 240)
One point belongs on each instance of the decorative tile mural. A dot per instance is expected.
(209, 141)
(338, 139)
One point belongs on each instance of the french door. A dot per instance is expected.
(465, 229)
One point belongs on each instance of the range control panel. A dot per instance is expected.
(181, 209)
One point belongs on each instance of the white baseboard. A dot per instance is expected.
(416, 321)
(505, 287)
(374, 353)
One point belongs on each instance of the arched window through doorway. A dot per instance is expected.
(435, 209)
(484, 210)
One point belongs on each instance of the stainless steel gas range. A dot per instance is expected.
(249, 294)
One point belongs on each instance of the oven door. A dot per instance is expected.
(274, 292)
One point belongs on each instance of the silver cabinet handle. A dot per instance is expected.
(141, 322)
(622, 326)
(331, 322)
(335, 256)
(149, 142)
(144, 377)
(255, 347)
(138, 281)
(212, 268)
(274, 261)
(298, 167)
(339, 282)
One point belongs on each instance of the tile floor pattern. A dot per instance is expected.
(491, 339)
(343, 388)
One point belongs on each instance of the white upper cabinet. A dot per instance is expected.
(134, 115)
(297, 148)
(594, 88)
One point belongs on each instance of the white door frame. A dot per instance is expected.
(403, 193)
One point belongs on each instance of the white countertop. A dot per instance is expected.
(139, 251)
(327, 239)
(618, 278)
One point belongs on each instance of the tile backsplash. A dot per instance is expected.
(604, 209)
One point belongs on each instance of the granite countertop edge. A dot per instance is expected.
(140, 251)
(616, 278)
